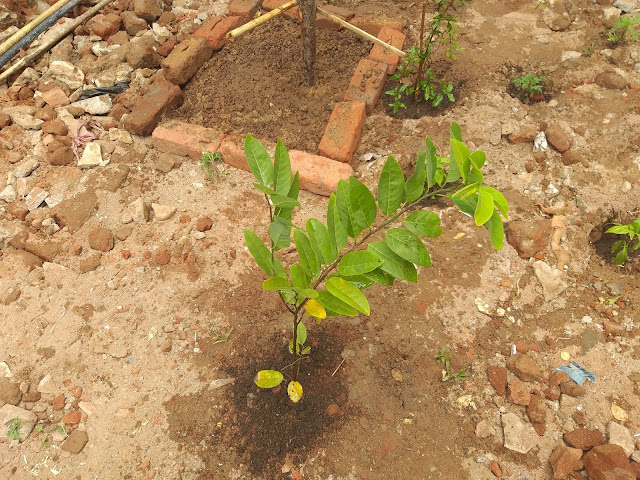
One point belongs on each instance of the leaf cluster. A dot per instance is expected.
(623, 25)
(14, 428)
(417, 64)
(621, 248)
(444, 358)
(365, 239)
(530, 84)
(208, 163)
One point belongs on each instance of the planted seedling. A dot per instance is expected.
(62, 429)
(362, 241)
(14, 428)
(621, 248)
(209, 163)
(529, 84)
(215, 335)
(415, 75)
(447, 374)
(624, 25)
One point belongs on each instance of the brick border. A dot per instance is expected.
(318, 173)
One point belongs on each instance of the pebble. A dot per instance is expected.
(9, 194)
(91, 156)
(484, 429)
(35, 197)
(26, 168)
(140, 212)
(46, 385)
(100, 105)
(163, 212)
(519, 436)
(198, 235)
(551, 279)
(620, 435)
(75, 442)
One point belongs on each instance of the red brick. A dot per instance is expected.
(317, 174)
(186, 139)
(106, 25)
(216, 29)
(146, 114)
(245, 9)
(372, 24)
(367, 83)
(379, 54)
(342, 135)
(185, 59)
(72, 418)
(293, 13)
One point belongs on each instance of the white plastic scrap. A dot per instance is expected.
(540, 142)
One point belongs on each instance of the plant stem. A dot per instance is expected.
(420, 70)
(273, 253)
(296, 321)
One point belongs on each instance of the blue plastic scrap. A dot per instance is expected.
(577, 373)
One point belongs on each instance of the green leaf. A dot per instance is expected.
(456, 132)
(357, 263)
(275, 283)
(343, 206)
(280, 271)
(415, 184)
(496, 230)
(408, 246)
(484, 208)
(259, 252)
(281, 169)
(307, 255)
(259, 161)
(621, 257)
(285, 212)
(478, 158)
(460, 156)
(380, 277)
(619, 229)
(363, 204)
(348, 293)
(360, 281)
(393, 264)
(280, 234)
(268, 378)
(431, 162)
(498, 200)
(334, 306)
(337, 233)
(454, 173)
(283, 201)
(301, 334)
(424, 223)
(320, 241)
(298, 278)
(263, 189)
(390, 187)
(306, 292)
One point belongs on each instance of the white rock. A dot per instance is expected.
(22, 115)
(198, 235)
(126, 218)
(551, 279)
(29, 75)
(620, 435)
(66, 73)
(569, 55)
(9, 194)
(23, 186)
(627, 6)
(46, 385)
(27, 421)
(610, 16)
(484, 429)
(35, 197)
(140, 212)
(26, 168)
(91, 156)
(120, 135)
(540, 142)
(100, 105)
(163, 212)
(518, 435)
(160, 33)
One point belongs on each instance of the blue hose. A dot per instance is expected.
(33, 34)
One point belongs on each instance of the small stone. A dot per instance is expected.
(558, 377)
(564, 460)
(100, 105)
(165, 162)
(551, 279)
(90, 263)
(75, 442)
(120, 135)
(123, 233)
(519, 436)
(140, 212)
(611, 81)
(333, 410)
(9, 392)
(572, 389)
(204, 224)
(101, 239)
(27, 421)
(35, 197)
(72, 418)
(518, 392)
(163, 212)
(26, 168)
(537, 410)
(529, 238)
(571, 157)
(58, 403)
(484, 429)
(627, 6)
(9, 194)
(525, 367)
(569, 56)
(620, 435)
(495, 468)
(91, 156)
(608, 462)
(61, 156)
(584, 439)
(46, 385)
(557, 137)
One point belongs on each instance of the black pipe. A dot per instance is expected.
(33, 34)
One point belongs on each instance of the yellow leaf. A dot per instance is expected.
(619, 413)
(314, 309)
(565, 356)
(295, 391)
(268, 378)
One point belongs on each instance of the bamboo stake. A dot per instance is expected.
(15, 38)
(362, 33)
(54, 41)
(261, 19)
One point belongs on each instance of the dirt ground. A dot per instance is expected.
(134, 344)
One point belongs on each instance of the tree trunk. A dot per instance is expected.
(308, 10)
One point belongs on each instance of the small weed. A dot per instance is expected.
(623, 26)
(208, 163)
(587, 52)
(215, 336)
(62, 429)
(447, 374)
(621, 248)
(14, 428)
(530, 84)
